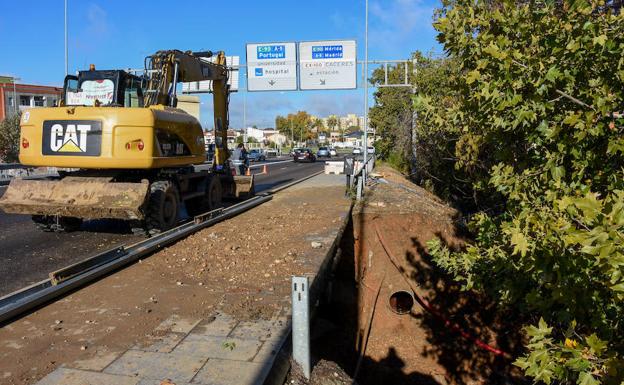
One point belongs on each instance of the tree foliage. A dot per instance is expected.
(391, 117)
(297, 125)
(534, 108)
(9, 138)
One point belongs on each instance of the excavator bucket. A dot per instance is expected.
(243, 186)
(80, 197)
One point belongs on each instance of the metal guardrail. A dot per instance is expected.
(12, 166)
(76, 275)
(359, 178)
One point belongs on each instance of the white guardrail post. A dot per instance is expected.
(301, 324)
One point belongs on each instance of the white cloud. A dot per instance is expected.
(98, 24)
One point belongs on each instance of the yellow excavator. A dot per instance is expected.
(131, 151)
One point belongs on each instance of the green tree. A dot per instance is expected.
(537, 112)
(9, 138)
(318, 124)
(298, 125)
(332, 123)
(351, 129)
(391, 117)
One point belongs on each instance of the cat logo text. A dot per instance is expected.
(66, 137)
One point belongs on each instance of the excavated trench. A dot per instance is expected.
(388, 299)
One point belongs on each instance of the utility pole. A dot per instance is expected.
(365, 93)
(15, 105)
(66, 55)
(245, 109)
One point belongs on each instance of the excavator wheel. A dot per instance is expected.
(51, 223)
(212, 199)
(214, 194)
(163, 207)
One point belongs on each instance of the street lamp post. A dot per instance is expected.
(15, 105)
(365, 92)
(66, 49)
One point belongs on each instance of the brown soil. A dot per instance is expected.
(323, 373)
(242, 267)
(391, 227)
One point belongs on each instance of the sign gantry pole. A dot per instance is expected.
(365, 144)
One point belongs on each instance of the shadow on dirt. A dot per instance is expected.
(335, 331)
(460, 322)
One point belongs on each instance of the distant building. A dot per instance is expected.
(209, 136)
(255, 133)
(19, 97)
(344, 122)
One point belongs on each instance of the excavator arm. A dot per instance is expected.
(166, 68)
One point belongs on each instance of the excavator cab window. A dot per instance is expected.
(133, 93)
(113, 88)
(94, 88)
(70, 85)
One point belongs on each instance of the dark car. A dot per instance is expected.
(256, 155)
(304, 155)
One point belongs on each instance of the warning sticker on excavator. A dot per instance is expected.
(72, 137)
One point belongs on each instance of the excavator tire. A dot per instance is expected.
(163, 207)
(50, 223)
(214, 194)
(212, 199)
(43, 222)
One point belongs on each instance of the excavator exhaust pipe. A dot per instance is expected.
(80, 197)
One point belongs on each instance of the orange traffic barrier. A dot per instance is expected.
(264, 169)
(248, 172)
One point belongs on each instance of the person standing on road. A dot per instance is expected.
(245, 157)
(241, 158)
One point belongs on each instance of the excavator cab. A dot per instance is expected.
(109, 88)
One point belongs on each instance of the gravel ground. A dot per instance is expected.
(27, 254)
(241, 267)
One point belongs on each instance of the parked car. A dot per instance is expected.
(356, 151)
(256, 155)
(305, 155)
(370, 150)
(323, 152)
(332, 152)
(294, 151)
(271, 153)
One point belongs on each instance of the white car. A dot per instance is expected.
(332, 152)
(370, 150)
(356, 151)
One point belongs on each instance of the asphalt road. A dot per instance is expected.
(27, 254)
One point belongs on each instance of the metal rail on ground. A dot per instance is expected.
(77, 275)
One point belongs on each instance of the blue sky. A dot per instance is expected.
(119, 34)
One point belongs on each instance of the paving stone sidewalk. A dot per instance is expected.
(215, 351)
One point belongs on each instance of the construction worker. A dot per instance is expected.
(241, 158)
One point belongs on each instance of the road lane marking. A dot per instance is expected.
(270, 163)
